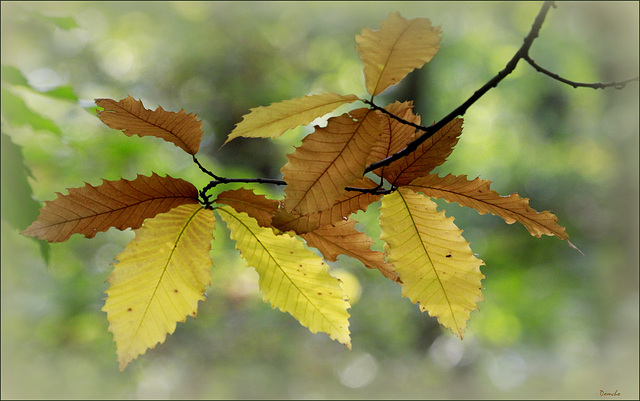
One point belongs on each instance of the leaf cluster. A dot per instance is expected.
(339, 169)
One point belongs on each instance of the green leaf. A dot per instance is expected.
(14, 76)
(62, 93)
(66, 23)
(18, 114)
(19, 208)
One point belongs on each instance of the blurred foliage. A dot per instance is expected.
(554, 323)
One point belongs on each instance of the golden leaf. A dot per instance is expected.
(276, 119)
(342, 238)
(349, 202)
(256, 206)
(328, 160)
(435, 263)
(130, 116)
(478, 195)
(121, 204)
(161, 276)
(399, 47)
(291, 277)
(395, 135)
(429, 155)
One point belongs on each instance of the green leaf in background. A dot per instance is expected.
(14, 76)
(62, 92)
(18, 114)
(66, 23)
(18, 206)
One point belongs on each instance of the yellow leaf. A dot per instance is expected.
(328, 160)
(121, 204)
(291, 277)
(435, 263)
(478, 195)
(130, 116)
(160, 277)
(256, 206)
(349, 202)
(342, 238)
(274, 120)
(399, 47)
(429, 155)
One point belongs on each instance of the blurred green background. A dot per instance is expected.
(554, 323)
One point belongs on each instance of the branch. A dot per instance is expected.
(217, 180)
(617, 85)
(462, 109)
(375, 191)
(204, 170)
(222, 180)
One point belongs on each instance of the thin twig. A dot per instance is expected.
(204, 170)
(217, 180)
(617, 85)
(462, 109)
(223, 180)
(375, 191)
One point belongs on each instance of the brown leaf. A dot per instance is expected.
(121, 204)
(342, 238)
(429, 155)
(328, 160)
(349, 202)
(130, 116)
(477, 194)
(395, 135)
(256, 206)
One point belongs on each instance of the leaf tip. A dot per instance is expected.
(575, 247)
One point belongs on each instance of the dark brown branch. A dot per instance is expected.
(217, 180)
(375, 191)
(222, 180)
(617, 85)
(204, 170)
(462, 109)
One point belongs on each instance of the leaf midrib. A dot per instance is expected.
(164, 270)
(186, 146)
(284, 272)
(433, 266)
